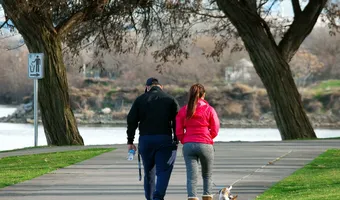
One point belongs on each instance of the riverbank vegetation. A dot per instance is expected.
(101, 91)
(102, 101)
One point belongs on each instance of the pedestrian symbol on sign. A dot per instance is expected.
(36, 62)
(35, 65)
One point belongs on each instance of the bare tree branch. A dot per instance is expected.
(252, 5)
(63, 27)
(263, 2)
(133, 22)
(2, 25)
(80, 16)
(256, 17)
(269, 9)
(105, 38)
(205, 14)
(249, 4)
(300, 28)
(332, 15)
(17, 47)
(296, 7)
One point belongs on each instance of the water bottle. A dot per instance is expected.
(131, 154)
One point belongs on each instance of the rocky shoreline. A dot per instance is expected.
(238, 106)
(105, 118)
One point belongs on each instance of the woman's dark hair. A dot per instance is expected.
(196, 91)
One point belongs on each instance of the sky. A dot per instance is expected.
(285, 6)
(2, 15)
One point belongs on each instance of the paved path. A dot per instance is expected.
(111, 177)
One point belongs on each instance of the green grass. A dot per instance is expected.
(177, 91)
(328, 84)
(111, 92)
(326, 87)
(318, 180)
(16, 169)
(25, 148)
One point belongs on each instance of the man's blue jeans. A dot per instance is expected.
(158, 159)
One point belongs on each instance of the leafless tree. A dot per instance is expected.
(327, 48)
(169, 25)
(257, 24)
(45, 27)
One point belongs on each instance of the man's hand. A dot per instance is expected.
(132, 146)
(172, 159)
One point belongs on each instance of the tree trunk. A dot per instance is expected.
(273, 70)
(284, 97)
(40, 37)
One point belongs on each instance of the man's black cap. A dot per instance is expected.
(152, 81)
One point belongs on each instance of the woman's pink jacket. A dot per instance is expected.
(202, 127)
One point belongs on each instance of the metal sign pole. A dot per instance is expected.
(35, 72)
(35, 112)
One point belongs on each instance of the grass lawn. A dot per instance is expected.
(16, 169)
(326, 87)
(328, 84)
(320, 179)
(25, 148)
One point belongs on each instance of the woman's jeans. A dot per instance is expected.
(193, 154)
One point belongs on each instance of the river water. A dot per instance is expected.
(14, 136)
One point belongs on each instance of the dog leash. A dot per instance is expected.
(139, 167)
(262, 167)
(173, 157)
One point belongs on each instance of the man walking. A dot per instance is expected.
(154, 113)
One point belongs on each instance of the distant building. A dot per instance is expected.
(242, 71)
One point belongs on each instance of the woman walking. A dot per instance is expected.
(197, 124)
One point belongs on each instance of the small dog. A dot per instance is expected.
(225, 194)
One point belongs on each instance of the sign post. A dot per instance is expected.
(35, 72)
